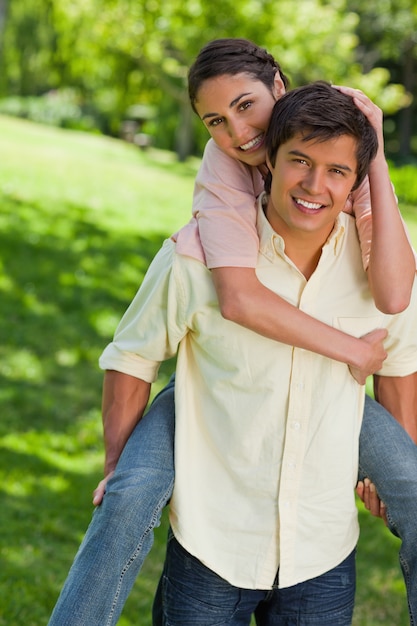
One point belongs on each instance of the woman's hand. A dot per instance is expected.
(369, 109)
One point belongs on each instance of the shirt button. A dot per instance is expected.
(296, 425)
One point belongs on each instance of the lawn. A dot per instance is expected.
(80, 218)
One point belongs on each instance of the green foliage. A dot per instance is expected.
(81, 217)
(388, 25)
(387, 35)
(56, 108)
(117, 53)
(405, 182)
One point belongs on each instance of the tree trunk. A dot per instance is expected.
(184, 134)
(3, 16)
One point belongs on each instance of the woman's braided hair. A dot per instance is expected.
(232, 56)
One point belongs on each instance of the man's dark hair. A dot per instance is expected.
(320, 112)
(232, 56)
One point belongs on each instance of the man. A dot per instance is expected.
(263, 513)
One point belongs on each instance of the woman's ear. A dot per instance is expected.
(279, 87)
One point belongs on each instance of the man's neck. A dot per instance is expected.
(303, 253)
(302, 247)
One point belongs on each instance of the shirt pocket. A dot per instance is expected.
(357, 327)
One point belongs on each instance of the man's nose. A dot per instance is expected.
(314, 181)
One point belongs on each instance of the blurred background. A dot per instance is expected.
(99, 151)
(119, 67)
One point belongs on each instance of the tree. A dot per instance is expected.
(387, 30)
(117, 53)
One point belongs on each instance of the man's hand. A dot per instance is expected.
(98, 493)
(369, 496)
(372, 357)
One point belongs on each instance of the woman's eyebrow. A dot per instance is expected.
(231, 105)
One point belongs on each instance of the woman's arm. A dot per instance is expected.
(392, 263)
(246, 301)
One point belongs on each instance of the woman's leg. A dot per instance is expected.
(388, 457)
(120, 534)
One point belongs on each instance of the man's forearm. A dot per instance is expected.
(124, 401)
(398, 394)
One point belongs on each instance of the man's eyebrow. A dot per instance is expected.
(338, 166)
(232, 104)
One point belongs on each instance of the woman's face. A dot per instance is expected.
(236, 110)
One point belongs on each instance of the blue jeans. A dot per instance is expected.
(388, 456)
(121, 531)
(190, 594)
(120, 534)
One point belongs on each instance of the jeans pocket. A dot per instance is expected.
(193, 595)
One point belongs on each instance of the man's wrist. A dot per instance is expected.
(109, 466)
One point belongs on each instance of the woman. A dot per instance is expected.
(121, 531)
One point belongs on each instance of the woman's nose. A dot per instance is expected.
(236, 131)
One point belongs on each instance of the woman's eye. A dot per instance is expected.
(245, 105)
(216, 121)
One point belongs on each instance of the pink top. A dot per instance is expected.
(222, 232)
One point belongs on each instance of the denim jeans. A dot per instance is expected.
(190, 594)
(121, 531)
(388, 456)
(120, 534)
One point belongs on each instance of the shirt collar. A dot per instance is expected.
(272, 244)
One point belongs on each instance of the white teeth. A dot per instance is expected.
(251, 143)
(308, 205)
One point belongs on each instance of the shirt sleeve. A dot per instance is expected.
(152, 327)
(224, 207)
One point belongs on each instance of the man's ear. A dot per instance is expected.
(278, 89)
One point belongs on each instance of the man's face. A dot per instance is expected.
(311, 181)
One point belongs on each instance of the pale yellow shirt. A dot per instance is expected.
(266, 435)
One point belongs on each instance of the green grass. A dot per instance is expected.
(81, 217)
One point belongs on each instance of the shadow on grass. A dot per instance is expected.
(65, 282)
